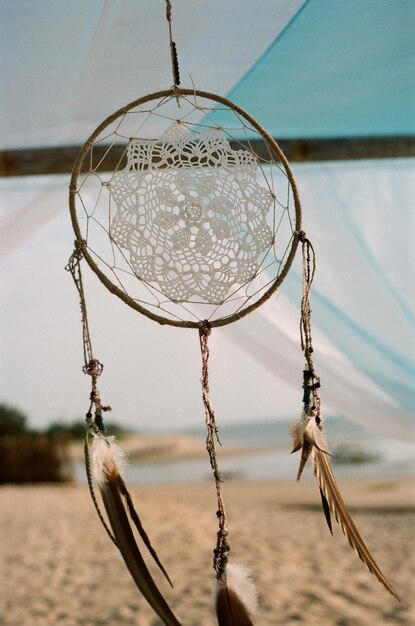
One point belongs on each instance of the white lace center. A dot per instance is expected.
(190, 214)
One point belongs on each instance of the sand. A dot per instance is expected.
(58, 567)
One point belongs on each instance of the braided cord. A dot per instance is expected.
(92, 367)
(74, 267)
(222, 549)
(311, 382)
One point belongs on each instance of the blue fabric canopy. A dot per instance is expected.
(338, 69)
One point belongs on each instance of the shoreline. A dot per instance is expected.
(174, 459)
(153, 448)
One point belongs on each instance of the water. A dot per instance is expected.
(386, 458)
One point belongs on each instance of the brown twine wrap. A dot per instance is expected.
(177, 92)
(309, 269)
(311, 382)
(173, 47)
(222, 549)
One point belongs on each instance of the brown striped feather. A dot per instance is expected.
(326, 510)
(305, 453)
(110, 491)
(230, 610)
(330, 490)
(134, 516)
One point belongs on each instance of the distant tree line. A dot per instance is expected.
(14, 423)
(33, 455)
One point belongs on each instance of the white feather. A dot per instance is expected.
(106, 455)
(313, 433)
(240, 579)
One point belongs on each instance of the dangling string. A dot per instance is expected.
(222, 549)
(106, 468)
(311, 382)
(74, 267)
(92, 367)
(309, 268)
(309, 435)
(173, 48)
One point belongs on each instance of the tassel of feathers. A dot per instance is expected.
(107, 459)
(331, 492)
(309, 436)
(235, 597)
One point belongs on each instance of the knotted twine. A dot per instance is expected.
(222, 549)
(93, 368)
(311, 382)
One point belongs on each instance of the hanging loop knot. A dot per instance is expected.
(93, 368)
(80, 244)
(222, 548)
(76, 256)
(74, 259)
(205, 328)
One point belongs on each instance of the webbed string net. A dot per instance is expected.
(195, 224)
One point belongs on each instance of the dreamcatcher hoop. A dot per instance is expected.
(249, 249)
(272, 145)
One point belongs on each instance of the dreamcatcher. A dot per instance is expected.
(193, 223)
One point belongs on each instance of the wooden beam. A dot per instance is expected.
(60, 159)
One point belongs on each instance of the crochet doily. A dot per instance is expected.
(190, 215)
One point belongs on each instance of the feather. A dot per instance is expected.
(105, 458)
(306, 434)
(305, 453)
(134, 516)
(314, 433)
(334, 500)
(326, 510)
(235, 597)
(297, 437)
(107, 455)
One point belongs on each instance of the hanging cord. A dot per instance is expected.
(311, 382)
(173, 48)
(222, 549)
(93, 368)
(74, 267)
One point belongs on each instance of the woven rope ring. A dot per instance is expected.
(206, 224)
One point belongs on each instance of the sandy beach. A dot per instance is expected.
(58, 567)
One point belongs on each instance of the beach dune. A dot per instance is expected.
(58, 567)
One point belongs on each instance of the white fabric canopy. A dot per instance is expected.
(361, 311)
(65, 66)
